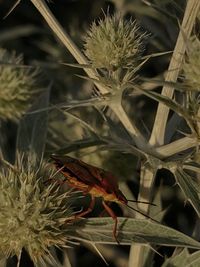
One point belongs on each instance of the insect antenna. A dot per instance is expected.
(143, 202)
(142, 213)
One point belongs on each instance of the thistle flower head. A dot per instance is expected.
(33, 215)
(191, 66)
(16, 86)
(113, 43)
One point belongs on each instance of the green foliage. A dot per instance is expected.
(33, 214)
(106, 119)
(192, 64)
(114, 43)
(114, 46)
(17, 86)
(130, 230)
(184, 258)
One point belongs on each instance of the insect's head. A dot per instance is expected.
(121, 198)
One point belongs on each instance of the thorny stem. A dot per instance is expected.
(158, 132)
(147, 176)
(121, 114)
(65, 39)
(81, 59)
(157, 136)
(177, 146)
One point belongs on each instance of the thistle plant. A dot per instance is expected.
(113, 43)
(33, 213)
(17, 86)
(112, 59)
(191, 70)
(191, 65)
(114, 46)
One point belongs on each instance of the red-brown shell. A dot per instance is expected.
(89, 179)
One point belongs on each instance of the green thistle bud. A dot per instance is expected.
(33, 214)
(192, 64)
(114, 44)
(16, 86)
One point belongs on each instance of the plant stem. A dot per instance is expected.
(177, 146)
(65, 39)
(147, 176)
(158, 132)
(81, 59)
(130, 127)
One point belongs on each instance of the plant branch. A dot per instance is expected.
(157, 136)
(81, 59)
(65, 39)
(158, 132)
(177, 146)
(146, 182)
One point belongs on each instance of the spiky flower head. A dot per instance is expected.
(33, 213)
(191, 66)
(17, 86)
(114, 43)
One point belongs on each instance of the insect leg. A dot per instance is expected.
(82, 213)
(89, 209)
(112, 214)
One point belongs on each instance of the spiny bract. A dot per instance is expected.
(17, 86)
(191, 66)
(113, 43)
(33, 214)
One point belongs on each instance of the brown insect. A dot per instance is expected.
(93, 181)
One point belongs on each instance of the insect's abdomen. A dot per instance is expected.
(73, 182)
(99, 192)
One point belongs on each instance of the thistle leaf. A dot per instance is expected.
(100, 230)
(183, 259)
(189, 188)
(173, 105)
(80, 144)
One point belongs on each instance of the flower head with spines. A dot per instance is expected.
(34, 214)
(114, 48)
(18, 85)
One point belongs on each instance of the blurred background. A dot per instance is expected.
(25, 32)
